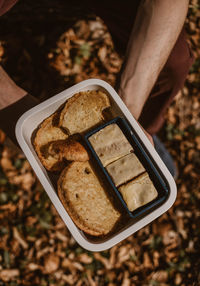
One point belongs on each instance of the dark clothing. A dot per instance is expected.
(119, 18)
(5, 5)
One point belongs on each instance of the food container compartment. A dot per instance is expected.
(29, 121)
(145, 159)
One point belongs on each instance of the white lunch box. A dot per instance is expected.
(29, 121)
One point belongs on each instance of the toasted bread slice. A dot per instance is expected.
(138, 192)
(85, 199)
(68, 149)
(45, 134)
(83, 111)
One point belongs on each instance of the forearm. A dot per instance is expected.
(156, 29)
(14, 101)
(9, 91)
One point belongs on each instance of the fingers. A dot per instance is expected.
(147, 134)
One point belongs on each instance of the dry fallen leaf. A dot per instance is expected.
(33, 266)
(103, 260)
(147, 261)
(8, 274)
(160, 276)
(19, 238)
(90, 279)
(126, 281)
(51, 263)
(2, 134)
(85, 258)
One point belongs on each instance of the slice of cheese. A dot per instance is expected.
(110, 144)
(138, 192)
(125, 169)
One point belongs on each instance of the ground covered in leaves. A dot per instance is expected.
(45, 50)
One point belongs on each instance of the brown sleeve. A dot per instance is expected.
(6, 5)
(9, 115)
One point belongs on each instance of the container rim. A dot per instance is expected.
(31, 156)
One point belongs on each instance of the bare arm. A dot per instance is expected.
(14, 101)
(156, 29)
(9, 91)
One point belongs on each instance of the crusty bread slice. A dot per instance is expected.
(69, 149)
(45, 134)
(85, 199)
(83, 111)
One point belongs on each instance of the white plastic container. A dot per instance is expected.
(29, 121)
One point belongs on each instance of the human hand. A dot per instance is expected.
(147, 134)
(134, 103)
(135, 110)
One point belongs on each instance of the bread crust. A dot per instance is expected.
(56, 144)
(83, 111)
(45, 134)
(70, 150)
(86, 202)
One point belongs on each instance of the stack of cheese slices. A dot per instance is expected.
(126, 171)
